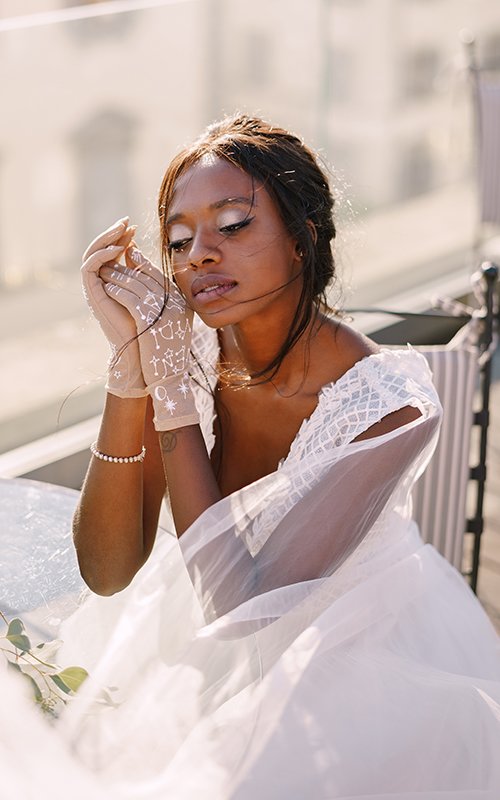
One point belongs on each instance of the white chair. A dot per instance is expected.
(462, 374)
(439, 498)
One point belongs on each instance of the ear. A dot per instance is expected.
(312, 230)
(298, 251)
(314, 236)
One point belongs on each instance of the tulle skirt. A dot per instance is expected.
(381, 681)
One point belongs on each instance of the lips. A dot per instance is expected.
(211, 286)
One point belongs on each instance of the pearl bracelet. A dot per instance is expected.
(117, 459)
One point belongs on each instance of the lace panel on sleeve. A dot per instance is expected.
(375, 387)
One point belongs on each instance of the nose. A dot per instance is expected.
(204, 251)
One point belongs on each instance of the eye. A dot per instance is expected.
(178, 245)
(236, 226)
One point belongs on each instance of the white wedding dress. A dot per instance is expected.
(299, 640)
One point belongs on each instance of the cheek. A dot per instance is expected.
(270, 251)
(178, 277)
(179, 269)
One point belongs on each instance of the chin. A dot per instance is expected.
(209, 320)
(220, 318)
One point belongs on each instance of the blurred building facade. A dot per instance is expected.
(93, 109)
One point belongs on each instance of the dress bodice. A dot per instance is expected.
(374, 387)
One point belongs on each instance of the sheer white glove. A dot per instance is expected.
(164, 324)
(124, 367)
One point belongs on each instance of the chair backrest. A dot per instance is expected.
(488, 132)
(440, 495)
(459, 369)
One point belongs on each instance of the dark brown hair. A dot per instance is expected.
(291, 174)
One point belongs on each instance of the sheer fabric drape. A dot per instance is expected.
(299, 640)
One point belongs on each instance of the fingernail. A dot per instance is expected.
(118, 223)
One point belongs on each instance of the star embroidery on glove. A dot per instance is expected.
(183, 389)
(151, 299)
(170, 405)
(117, 373)
(154, 361)
(137, 256)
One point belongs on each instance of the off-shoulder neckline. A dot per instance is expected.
(383, 352)
(333, 388)
(329, 389)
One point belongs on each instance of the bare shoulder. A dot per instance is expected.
(350, 348)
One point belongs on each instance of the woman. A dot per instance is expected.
(295, 638)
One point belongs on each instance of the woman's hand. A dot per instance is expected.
(125, 377)
(164, 323)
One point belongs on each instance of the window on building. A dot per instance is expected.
(419, 71)
(417, 170)
(103, 149)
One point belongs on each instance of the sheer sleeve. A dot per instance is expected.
(300, 524)
(331, 521)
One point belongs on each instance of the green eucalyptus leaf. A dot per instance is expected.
(70, 679)
(35, 688)
(21, 642)
(73, 677)
(60, 683)
(15, 626)
(16, 635)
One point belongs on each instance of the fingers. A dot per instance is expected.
(140, 294)
(125, 240)
(110, 253)
(135, 281)
(96, 260)
(110, 236)
(128, 300)
(136, 260)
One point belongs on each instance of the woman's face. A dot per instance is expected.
(231, 254)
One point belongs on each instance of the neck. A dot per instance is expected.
(249, 349)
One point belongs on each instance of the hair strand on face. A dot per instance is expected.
(290, 172)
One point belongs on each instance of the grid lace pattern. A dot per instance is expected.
(374, 387)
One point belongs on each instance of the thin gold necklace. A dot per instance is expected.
(243, 378)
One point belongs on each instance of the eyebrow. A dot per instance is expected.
(226, 201)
